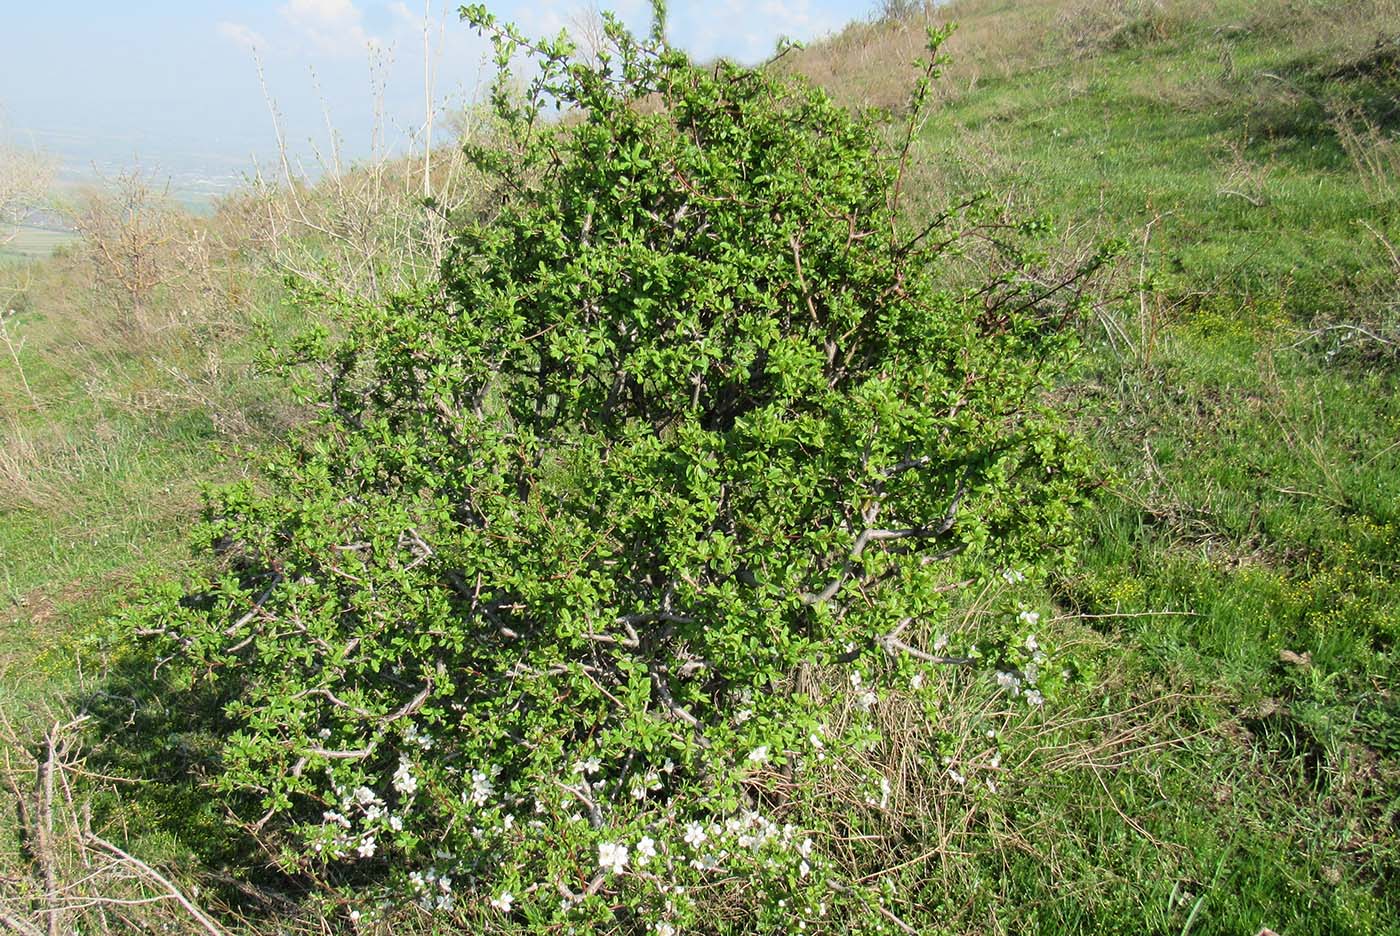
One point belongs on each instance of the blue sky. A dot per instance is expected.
(173, 82)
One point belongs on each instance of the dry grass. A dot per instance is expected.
(871, 63)
(34, 472)
(1373, 150)
(1087, 27)
(963, 781)
(1337, 30)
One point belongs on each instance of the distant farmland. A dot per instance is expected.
(28, 240)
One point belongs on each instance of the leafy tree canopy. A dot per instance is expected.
(695, 445)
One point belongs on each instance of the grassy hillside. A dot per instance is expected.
(1234, 761)
(1243, 391)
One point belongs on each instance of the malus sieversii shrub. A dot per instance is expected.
(516, 621)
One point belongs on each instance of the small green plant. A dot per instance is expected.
(548, 613)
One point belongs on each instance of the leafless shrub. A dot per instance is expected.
(25, 178)
(71, 877)
(150, 261)
(586, 28)
(367, 229)
(160, 288)
(896, 10)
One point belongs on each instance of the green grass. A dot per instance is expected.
(1239, 580)
(108, 437)
(1255, 479)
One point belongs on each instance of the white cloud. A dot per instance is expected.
(404, 16)
(334, 27)
(746, 30)
(242, 35)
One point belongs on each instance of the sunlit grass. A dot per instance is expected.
(1241, 571)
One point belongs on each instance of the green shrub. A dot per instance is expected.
(559, 594)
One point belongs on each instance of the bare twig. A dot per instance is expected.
(873, 535)
(199, 915)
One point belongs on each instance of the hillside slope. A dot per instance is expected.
(1243, 390)
(1231, 760)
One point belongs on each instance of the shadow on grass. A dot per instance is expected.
(166, 738)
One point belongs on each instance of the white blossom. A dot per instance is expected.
(332, 816)
(423, 740)
(695, 834)
(759, 755)
(481, 788)
(612, 857)
(1034, 698)
(404, 780)
(1031, 619)
(641, 786)
(1009, 681)
(646, 850)
(503, 902)
(367, 847)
